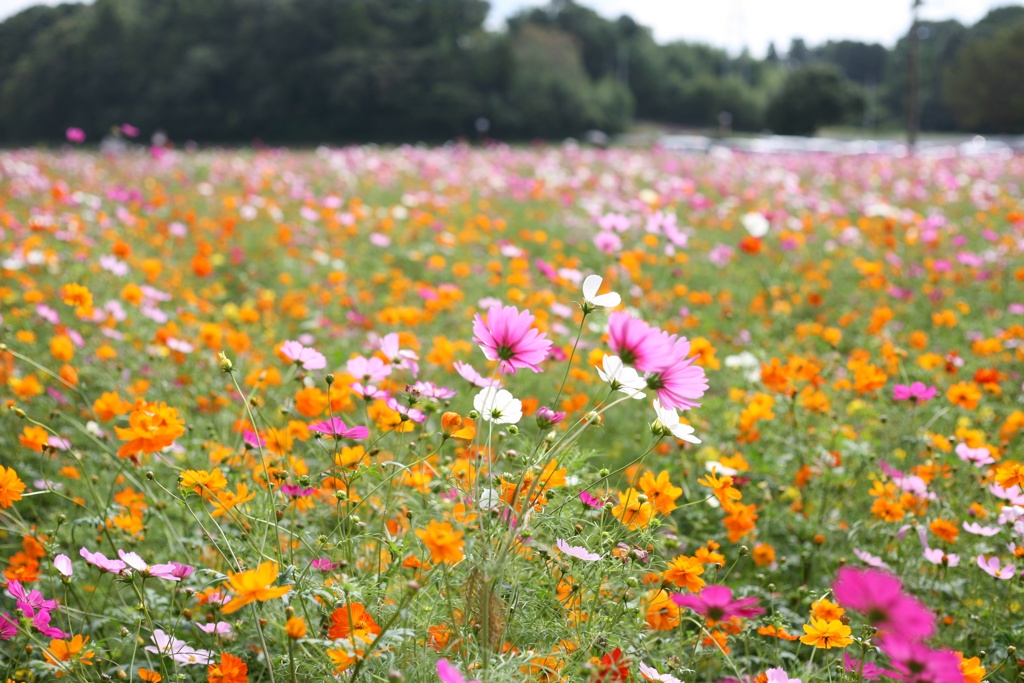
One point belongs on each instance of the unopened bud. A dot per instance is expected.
(224, 362)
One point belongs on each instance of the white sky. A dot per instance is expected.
(733, 24)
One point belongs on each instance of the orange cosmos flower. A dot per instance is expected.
(662, 612)
(231, 669)
(964, 394)
(61, 653)
(685, 572)
(827, 610)
(252, 585)
(109, 405)
(152, 427)
(33, 438)
(204, 483)
(295, 628)
(10, 486)
(352, 620)
(74, 294)
(443, 541)
(631, 511)
(150, 676)
(660, 491)
(826, 634)
(945, 530)
(1010, 473)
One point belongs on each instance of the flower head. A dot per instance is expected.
(506, 336)
(578, 552)
(305, 357)
(498, 406)
(10, 486)
(592, 300)
(252, 585)
(636, 343)
(716, 603)
(622, 378)
(337, 428)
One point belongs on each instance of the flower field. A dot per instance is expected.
(511, 414)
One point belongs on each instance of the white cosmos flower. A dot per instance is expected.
(592, 300)
(748, 363)
(652, 674)
(755, 224)
(498, 406)
(668, 421)
(622, 377)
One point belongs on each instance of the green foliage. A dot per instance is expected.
(813, 96)
(983, 85)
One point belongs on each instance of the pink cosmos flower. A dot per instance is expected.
(918, 392)
(579, 552)
(979, 530)
(506, 336)
(870, 560)
(371, 369)
(591, 501)
(992, 568)
(469, 373)
(75, 135)
(337, 428)
(63, 565)
(220, 628)
(679, 382)
(157, 571)
(253, 439)
(915, 662)
(407, 413)
(369, 392)
(431, 390)
(546, 417)
(30, 602)
(399, 357)
(979, 457)
(449, 674)
(303, 356)
(651, 674)
(936, 556)
(636, 343)
(879, 596)
(8, 627)
(779, 675)
(100, 560)
(179, 650)
(325, 565)
(868, 670)
(715, 602)
(41, 622)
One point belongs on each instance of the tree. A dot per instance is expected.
(812, 96)
(983, 84)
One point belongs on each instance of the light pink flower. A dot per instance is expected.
(979, 457)
(979, 530)
(992, 568)
(158, 571)
(63, 565)
(403, 358)
(303, 356)
(100, 560)
(679, 382)
(652, 674)
(579, 552)
(506, 336)
(779, 675)
(371, 369)
(469, 373)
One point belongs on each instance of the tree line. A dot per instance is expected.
(310, 71)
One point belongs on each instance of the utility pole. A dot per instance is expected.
(913, 118)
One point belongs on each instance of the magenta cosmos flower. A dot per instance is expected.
(449, 674)
(507, 337)
(337, 428)
(879, 596)
(716, 603)
(636, 343)
(915, 662)
(917, 392)
(679, 383)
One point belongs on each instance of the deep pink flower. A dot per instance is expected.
(915, 662)
(324, 564)
(546, 417)
(41, 622)
(506, 336)
(337, 428)
(679, 383)
(868, 670)
(8, 627)
(29, 602)
(636, 343)
(449, 674)
(157, 571)
(715, 602)
(591, 501)
(918, 392)
(75, 135)
(253, 439)
(303, 356)
(879, 596)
